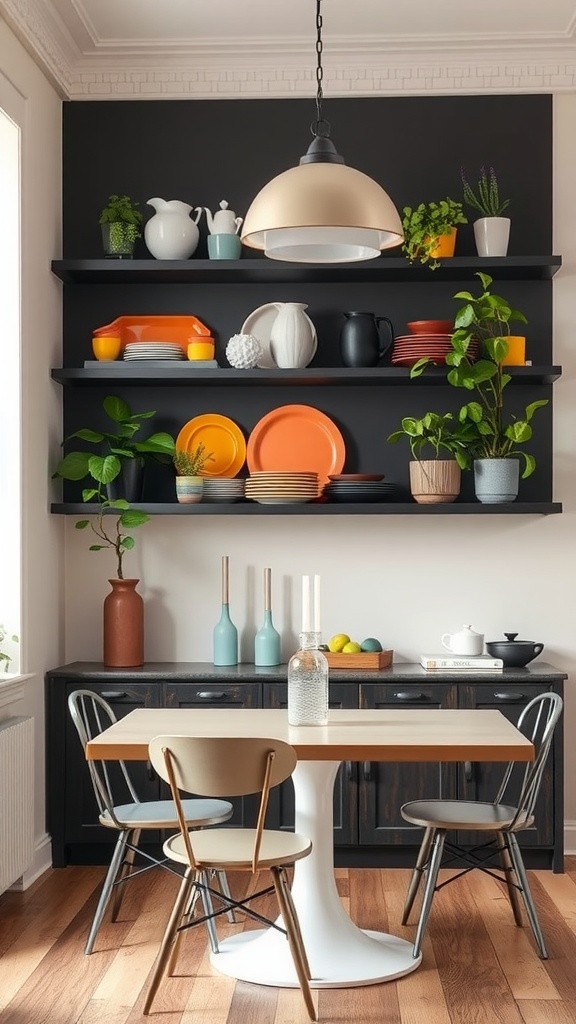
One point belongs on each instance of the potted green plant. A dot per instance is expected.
(430, 230)
(487, 317)
(121, 222)
(491, 229)
(438, 479)
(189, 466)
(4, 656)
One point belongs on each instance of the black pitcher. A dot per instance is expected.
(363, 342)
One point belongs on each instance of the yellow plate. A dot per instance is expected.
(220, 436)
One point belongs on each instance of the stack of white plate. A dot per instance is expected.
(279, 488)
(153, 350)
(222, 488)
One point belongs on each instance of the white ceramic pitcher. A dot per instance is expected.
(292, 341)
(171, 234)
(467, 642)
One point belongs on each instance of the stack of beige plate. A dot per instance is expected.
(222, 488)
(280, 488)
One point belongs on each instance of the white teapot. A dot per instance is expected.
(224, 221)
(467, 642)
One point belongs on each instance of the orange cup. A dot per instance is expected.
(105, 347)
(201, 349)
(516, 355)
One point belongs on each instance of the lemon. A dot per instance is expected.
(337, 642)
(351, 648)
(371, 644)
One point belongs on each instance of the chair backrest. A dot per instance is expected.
(222, 767)
(91, 714)
(537, 722)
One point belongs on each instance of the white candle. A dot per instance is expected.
(316, 626)
(306, 623)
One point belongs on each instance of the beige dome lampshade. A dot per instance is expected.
(322, 211)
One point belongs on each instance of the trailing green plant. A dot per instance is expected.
(424, 224)
(486, 199)
(4, 656)
(191, 463)
(104, 466)
(487, 317)
(439, 433)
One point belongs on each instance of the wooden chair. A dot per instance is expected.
(236, 767)
(511, 812)
(112, 784)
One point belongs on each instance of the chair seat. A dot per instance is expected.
(162, 813)
(462, 814)
(233, 848)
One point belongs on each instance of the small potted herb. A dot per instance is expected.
(4, 656)
(120, 221)
(189, 466)
(491, 229)
(430, 230)
(437, 479)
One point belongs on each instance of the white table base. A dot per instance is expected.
(341, 955)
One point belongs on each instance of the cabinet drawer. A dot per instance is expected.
(202, 694)
(400, 694)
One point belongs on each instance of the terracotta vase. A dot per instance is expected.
(123, 625)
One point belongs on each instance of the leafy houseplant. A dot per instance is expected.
(487, 317)
(4, 657)
(439, 433)
(191, 463)
(425, 225)
(103, 467)
(121, 221)
(486, 198)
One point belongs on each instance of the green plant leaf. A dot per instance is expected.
(74, 466)
(82, 524)
(133, 517)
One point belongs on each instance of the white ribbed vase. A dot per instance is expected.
(291, 336)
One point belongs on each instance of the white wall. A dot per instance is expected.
(37, 108)
(404, 579)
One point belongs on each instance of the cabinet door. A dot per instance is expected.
(225, 695)
(281, 806)
(384, 786)
(80, 824)
(478, 781)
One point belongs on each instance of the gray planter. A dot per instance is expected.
(496, 480)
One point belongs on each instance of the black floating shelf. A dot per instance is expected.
(264, 271)
(328, 376)
(247, 508)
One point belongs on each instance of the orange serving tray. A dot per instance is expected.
(179, 330)
(372, 659)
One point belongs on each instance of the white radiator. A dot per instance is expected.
(16, 798)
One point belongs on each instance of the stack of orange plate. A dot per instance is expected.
(409, 348)
(270, 488)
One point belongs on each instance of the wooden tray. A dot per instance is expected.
(376, 659)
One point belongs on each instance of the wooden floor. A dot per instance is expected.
(478, 967)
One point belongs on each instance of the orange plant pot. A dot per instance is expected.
(446, 245)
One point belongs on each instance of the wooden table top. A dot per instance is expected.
(410, 734)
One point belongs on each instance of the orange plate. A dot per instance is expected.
(220, 436)
(297, 437)
(177, 329)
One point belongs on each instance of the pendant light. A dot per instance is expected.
(322, 211)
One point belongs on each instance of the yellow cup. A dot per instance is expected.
(516, 355)
(106, 347)
(201, 350)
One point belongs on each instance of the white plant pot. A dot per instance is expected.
(491, 235)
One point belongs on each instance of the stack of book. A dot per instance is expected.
(461, 663)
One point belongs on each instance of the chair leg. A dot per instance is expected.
(187, 915)
(225, 890)
(508, 868)
(296, 923)
(126, 869)
(117, 858)
(208, 911)
(294, 939)
(423, 854)
(430, 889)
(527, 895)
(168, 939)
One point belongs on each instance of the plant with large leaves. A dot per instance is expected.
(105, 466)
(487, 317)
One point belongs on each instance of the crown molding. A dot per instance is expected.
(359, 66)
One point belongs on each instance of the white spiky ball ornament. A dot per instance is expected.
(243, 351)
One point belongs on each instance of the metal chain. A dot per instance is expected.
(319, 127)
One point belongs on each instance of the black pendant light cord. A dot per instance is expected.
(319, 127)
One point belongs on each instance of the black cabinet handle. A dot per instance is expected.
(113, 694)
(468, 771)
(211, 695)
(367, 771)
(409, 695)
(510, 695)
